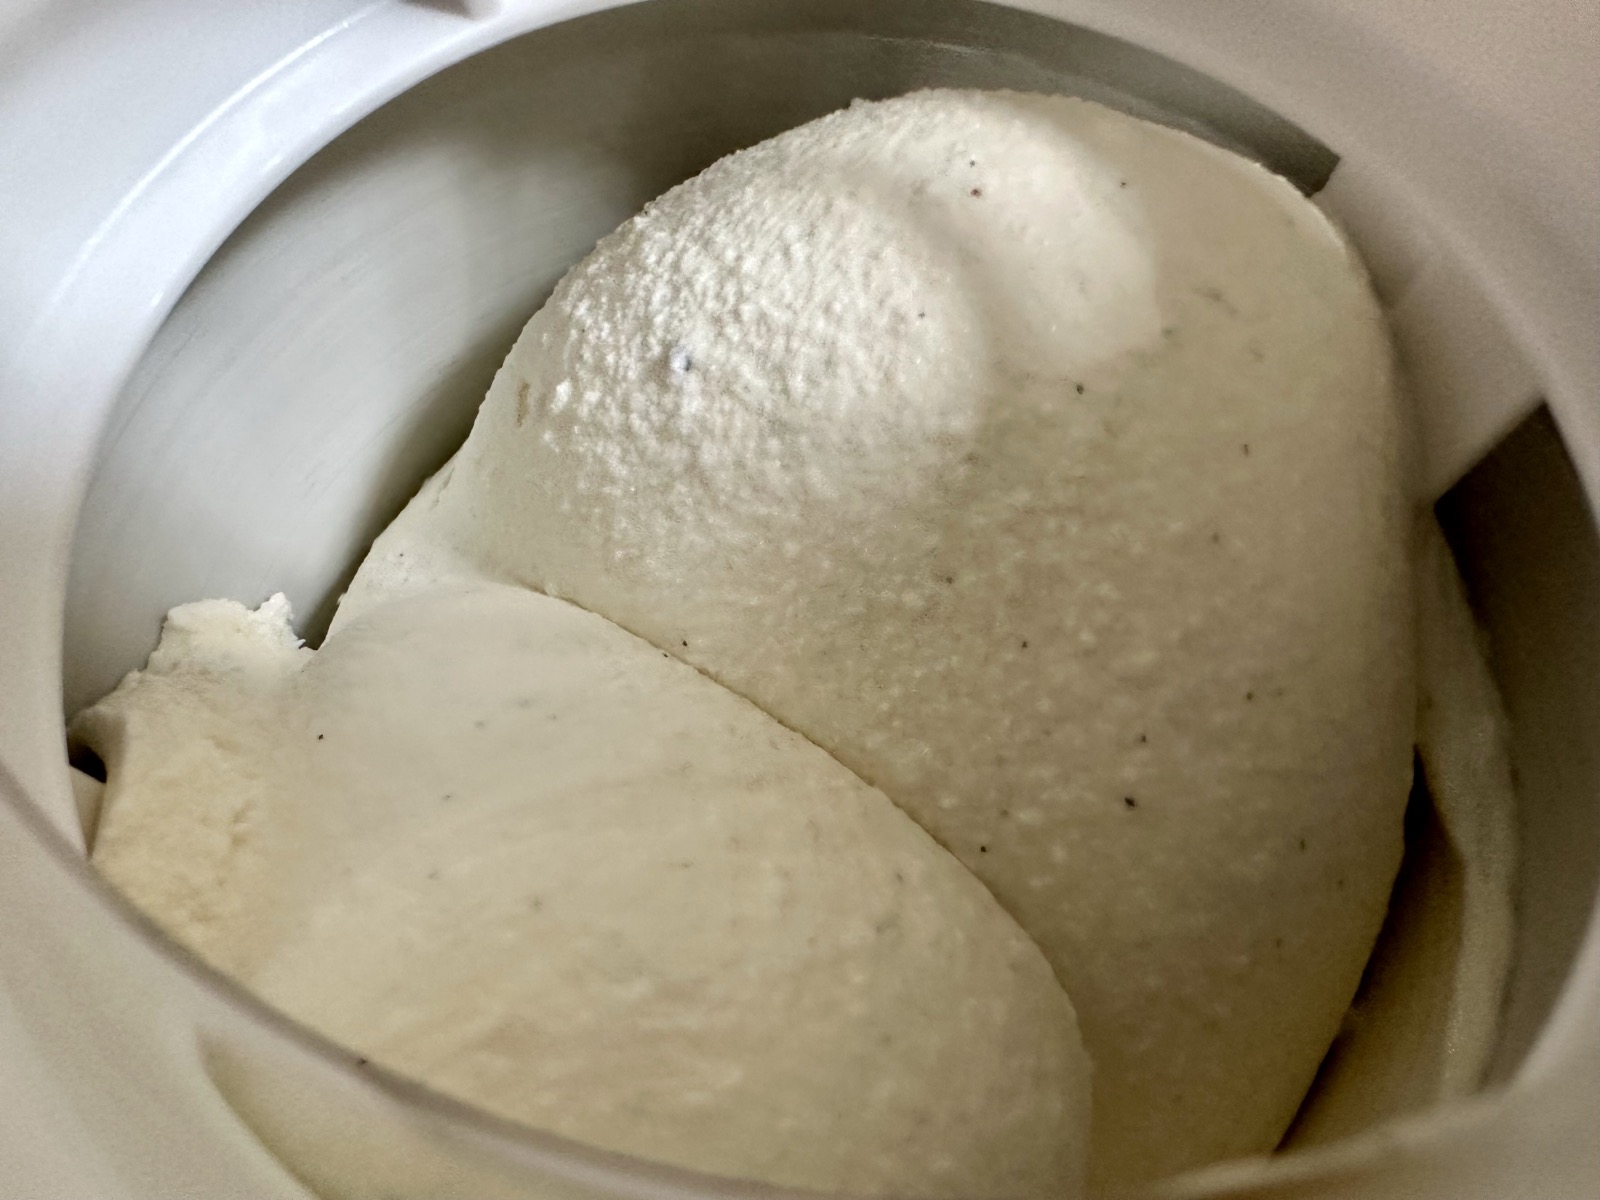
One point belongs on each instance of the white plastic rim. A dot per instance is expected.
(137, 138)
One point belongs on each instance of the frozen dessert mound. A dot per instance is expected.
(946, 559)
(1045, 467)
(501, 845)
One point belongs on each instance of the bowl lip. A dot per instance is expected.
(618, 1174)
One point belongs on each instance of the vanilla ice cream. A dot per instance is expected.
(997, 460)
(1044, 466)
(500, 844)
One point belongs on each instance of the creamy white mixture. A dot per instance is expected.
(1044, 466)
(1041, 466)
(496, 842)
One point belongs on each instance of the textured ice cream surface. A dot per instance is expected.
(1044, 466)
(503, 846)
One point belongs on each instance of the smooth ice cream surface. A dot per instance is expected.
(500, 844)
(996, 464)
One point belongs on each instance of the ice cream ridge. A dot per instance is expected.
(909, 686)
